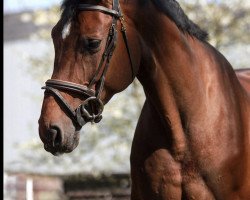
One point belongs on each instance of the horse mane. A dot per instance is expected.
(171, 8)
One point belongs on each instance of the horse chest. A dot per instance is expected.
(203, 172)
(159, 176)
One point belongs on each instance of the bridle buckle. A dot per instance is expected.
(89, 111)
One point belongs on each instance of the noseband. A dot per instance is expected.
(90, 110)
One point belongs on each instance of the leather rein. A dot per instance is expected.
(90, 110)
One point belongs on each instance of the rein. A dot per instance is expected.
(90, 110)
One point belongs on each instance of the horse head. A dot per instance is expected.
(95, 58)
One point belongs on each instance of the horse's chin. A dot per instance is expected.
(57, 153)
(60, 152)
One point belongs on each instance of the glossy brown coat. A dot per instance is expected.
(192, 139)
(244, 78)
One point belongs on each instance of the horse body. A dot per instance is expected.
(192, 139)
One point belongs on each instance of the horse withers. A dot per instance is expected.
(192, 140)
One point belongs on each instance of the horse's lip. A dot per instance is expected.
(53, 150)
(57, 151)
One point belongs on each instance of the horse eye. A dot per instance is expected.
(89, 45)
(93, 44)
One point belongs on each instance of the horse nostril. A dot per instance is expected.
(55, 135)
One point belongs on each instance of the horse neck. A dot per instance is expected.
(170, 67)
(181, 78)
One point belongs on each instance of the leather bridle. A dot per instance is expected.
(90, 110)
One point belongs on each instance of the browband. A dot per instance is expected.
(103, 9)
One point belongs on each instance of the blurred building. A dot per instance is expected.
(20, 186)
(27, 186)
(22, 94)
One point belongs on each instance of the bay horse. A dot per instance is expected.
(192, 140)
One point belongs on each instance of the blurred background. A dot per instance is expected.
(99, 167)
